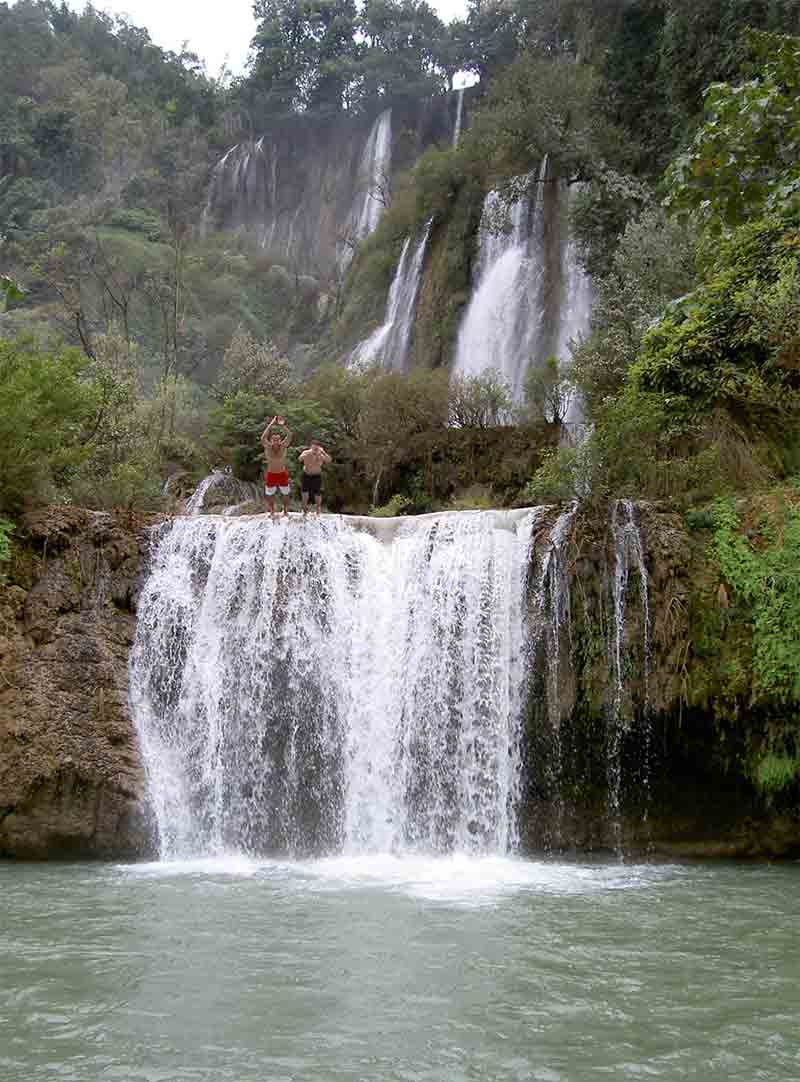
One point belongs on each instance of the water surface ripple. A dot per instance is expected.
(378, 968)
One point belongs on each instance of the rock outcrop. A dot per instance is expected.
(660, 755)
(71, 779)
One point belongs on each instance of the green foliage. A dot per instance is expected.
(48, 407)
(547, 394)
(743, 160)
(776, 772)
(481, 401)
(653, 264)
(763, 572)
(397, 505)
(715, 348)
(9, 291)
(510, 136)
(256, 367)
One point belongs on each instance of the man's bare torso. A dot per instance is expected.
(276, 458)
(313, 460)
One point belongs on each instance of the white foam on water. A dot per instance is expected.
(457, 879)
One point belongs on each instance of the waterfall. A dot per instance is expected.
(531, 296)
(459, 117)
(628, 556)
(343, 684)
(495, 328)
(389, 342)
(372, 186)
(573, 323)
(220, 488)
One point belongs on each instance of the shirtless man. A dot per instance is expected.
(276, 477)
(313, 459)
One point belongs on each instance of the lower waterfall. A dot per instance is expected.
(336, 685)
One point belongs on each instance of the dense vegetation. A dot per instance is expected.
(136, 345)
(125, 326)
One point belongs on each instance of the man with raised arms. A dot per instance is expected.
(276, 476)
(313, 459)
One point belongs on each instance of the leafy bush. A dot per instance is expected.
(48, 404)
(744, 159)
(715, 349)
(775, 772)
(764, 575)
(481, 401)
(397, 505)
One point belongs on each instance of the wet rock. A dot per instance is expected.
(71, 778)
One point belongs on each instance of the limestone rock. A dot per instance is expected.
(71, 778)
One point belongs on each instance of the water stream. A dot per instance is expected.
(388, 344)
(372, 187)
(531, 297)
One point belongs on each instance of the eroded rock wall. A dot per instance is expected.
(71, 779)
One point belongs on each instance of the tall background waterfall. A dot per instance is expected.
(388, 343)
(530, 295)
(373, 186)
(306, 193)
(307, 689)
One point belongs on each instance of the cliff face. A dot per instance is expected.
(71, 779)
(297, 187)
(643, 732)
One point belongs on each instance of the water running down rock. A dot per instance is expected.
(388, 344)
(308, 690)
(363, 685)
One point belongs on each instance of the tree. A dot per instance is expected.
(303, 52)
(745, 157)
(481, 401)
(404, 52)
(48, 409)
(256, 367)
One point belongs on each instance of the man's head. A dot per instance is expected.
(275, 442)
(315, 443)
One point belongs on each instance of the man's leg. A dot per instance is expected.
(318, 502)
(285, 495)
(271, 503)
(304, 492)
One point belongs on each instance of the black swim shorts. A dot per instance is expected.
(311, 483)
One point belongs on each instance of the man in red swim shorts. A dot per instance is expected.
(276, 477)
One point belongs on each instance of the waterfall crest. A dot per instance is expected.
(388, 343)
(305, 689)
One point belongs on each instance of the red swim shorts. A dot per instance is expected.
(276, 482)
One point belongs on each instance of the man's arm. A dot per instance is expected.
(325, 456)
(267, 430)
(287, 439)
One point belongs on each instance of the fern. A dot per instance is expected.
(767, 581)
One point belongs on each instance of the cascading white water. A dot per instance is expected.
(388, 344)
(372, 186)
(496, 325)
(309, 688)
(531, 297)
(551, 606)
(573, 324)
(220, 489)
(628, 556)
(459, 117)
